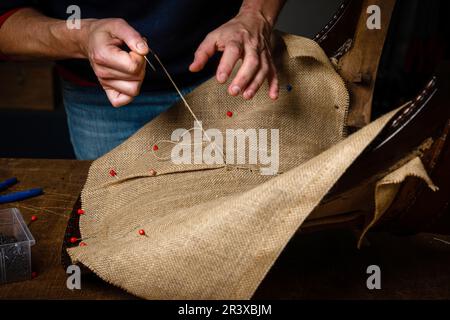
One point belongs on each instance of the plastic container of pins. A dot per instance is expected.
(15, 247)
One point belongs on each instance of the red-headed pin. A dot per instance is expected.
(34, 218)
(73, 240)
(83, 244)
(155, 148)
(81, 212)
(142, 232)
(112, 173)
(229, 114)
(152, 172)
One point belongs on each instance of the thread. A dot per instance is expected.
(183, 99)
(161, 142)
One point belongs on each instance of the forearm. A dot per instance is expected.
(269, 9)
(28, 34)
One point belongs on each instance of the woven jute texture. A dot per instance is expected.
(387, 188)
(214, 231)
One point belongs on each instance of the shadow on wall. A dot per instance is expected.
(306, 18)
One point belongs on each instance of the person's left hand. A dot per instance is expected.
(244, 37)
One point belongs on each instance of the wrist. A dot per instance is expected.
(247, 11)
(73, 43)
(80, 37)
(268, 9)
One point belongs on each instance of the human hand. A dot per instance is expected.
(244, 37)
(120, 73)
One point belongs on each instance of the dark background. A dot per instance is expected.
(34, 133)
(306, 18)
(323, 265)
(32, 119)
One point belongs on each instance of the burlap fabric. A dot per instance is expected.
(387, 188)
(214, 231)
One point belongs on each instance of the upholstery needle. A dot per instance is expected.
(182, 98)
(443, 241)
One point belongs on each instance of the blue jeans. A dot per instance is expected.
(96, 127)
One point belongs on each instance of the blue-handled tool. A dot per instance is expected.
(19, 195)
(7, 183)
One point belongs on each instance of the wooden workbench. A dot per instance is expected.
(324, 265)
(62, 181)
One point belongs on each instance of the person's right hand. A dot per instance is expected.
(120, 72)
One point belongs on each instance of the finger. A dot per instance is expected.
(122, 30)
(274, 88)
(129, 88)
(257, 81)
(126, 62)
(117, 99)
(231, 55)
(205, 51)
(115, 58)
(246, 72)
(106, 73)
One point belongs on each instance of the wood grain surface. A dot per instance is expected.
(320, 265)
(62, 181)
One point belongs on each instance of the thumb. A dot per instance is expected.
(117, 99)
(130, 36)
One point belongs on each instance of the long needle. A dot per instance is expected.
(182, 98)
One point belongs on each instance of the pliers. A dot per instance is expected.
(19, 195)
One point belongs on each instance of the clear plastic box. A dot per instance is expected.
(15, 247)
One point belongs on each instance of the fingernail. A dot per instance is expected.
(141, 45)
(248, 94)
(235, 90)
(222, 77)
